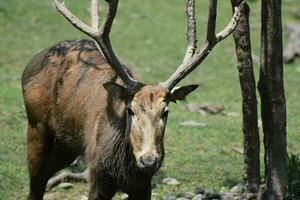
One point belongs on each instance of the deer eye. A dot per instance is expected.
(165, 114)
(129, 111)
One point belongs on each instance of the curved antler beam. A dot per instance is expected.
(100, 35)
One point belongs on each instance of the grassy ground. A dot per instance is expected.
(151, 36)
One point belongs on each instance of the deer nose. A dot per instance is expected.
(149, 161)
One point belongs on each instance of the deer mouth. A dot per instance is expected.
(148, 164)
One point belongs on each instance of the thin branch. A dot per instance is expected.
(191, 30)
(66, 176)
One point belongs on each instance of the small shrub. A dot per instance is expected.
(293, 187)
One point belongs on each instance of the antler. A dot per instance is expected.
(191, 59)
(100, 35)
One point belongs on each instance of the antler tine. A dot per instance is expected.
(93, 32)
(211, 40)
(191, 30)
(211, 22)
(94, 14)
(100, 35)
(107, 23)
(232, 24)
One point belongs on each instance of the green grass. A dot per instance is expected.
(150, 35)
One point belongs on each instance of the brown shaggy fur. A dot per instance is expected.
(71, 113)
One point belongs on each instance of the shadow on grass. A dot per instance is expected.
(3, 10)
(229, 182)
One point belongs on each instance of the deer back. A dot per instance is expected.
(63, 88)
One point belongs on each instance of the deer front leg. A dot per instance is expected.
(142, 194)
(102, 185)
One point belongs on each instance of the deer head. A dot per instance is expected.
(147, 104)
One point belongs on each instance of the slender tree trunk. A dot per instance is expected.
(242, 40)
(273, 108)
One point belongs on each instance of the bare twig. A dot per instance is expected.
(66, 176)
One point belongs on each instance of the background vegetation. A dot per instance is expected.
(150, 35)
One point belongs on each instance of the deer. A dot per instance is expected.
(80, 99)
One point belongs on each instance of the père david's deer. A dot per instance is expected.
(81, 100)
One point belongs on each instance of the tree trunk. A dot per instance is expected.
(242, 40)
(273, 108)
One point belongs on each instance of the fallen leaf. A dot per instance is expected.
(238, 150)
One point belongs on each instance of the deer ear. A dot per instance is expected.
(116, 90)
(179, 93)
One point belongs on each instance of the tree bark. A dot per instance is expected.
(273, 107)
(242, 40)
